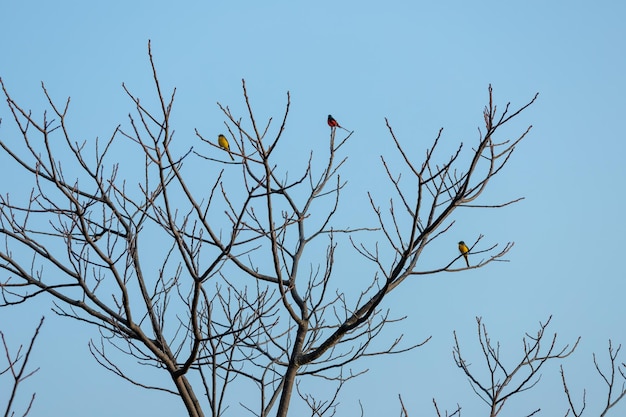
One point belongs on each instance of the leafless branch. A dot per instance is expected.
(16, 368)
(615, 390)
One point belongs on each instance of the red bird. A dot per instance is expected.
(332, 122)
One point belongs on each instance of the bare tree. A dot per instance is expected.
(16, 370)
(616, 390)
(502, 381)
(242, 285)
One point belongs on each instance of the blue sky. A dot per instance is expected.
(424, 65)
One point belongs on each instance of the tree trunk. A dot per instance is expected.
(188, 396)
(292, 370)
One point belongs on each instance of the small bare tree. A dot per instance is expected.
(15, 369)
(242, 284)
(502, 381)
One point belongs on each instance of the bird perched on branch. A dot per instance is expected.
(223, 142)
(332, 122)
(464, 250)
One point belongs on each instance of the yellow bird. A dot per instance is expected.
(223, 142)
(464, 250)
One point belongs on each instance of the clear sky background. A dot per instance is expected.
(424, 65)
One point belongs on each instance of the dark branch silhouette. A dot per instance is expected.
(15, 369)
(614, 381)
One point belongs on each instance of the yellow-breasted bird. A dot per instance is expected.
(464, 250)
(223, 142)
